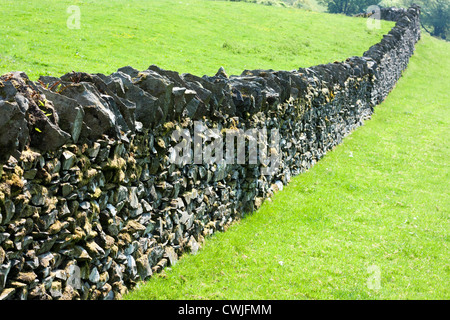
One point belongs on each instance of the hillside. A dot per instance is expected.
(191, 36)
(95, 198)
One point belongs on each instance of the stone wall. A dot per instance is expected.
(90, 200)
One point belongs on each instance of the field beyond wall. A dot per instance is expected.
(195, 36)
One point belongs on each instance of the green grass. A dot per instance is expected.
(186, 36)
(312, 5)
(379, 199)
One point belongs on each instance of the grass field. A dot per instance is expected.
(376, 207)
(194, 36)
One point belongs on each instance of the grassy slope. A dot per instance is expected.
(187, 36)
(313, 5)
(379, 199)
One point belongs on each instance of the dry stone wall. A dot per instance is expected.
(92, 202)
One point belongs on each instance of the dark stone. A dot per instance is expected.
(70, 112)
(98, 115)
(158, 86)
(148, 110)
(14, 134)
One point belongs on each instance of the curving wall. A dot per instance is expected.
(91, 199)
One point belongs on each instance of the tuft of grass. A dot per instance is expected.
(377, 207)
(195, 36)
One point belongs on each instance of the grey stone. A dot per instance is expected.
(68, 160)
(78, 253)
(171, 254)
(131, 266)
(94, 276)
(112, 210)
(14, 134)
(93, 151)
(10, 210)
(133, 200)
(22, 102)
(279, 185)
(193, 245)
(4, 270)
(39, 199)
(46, 136)
(46, 259)
(85, 205)
(143, 267)
(56, 289)
(120, 195)
(70, 112)
(148, 109)
(97, 114)
(158, 86)
(30, 174)
(66, 189)
(61, 274)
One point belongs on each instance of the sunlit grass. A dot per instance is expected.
(195, 36)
